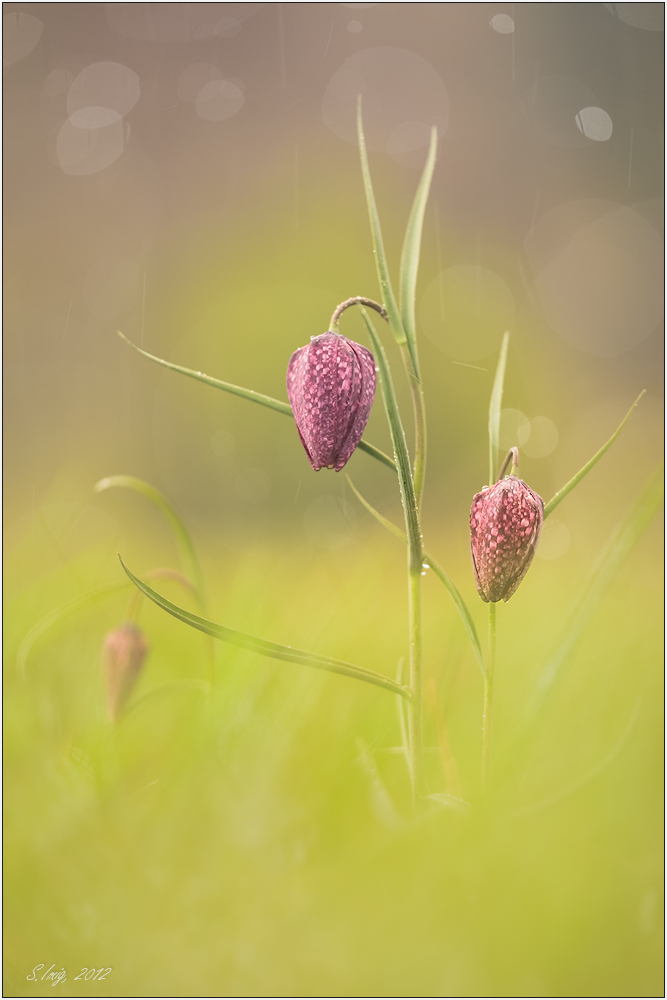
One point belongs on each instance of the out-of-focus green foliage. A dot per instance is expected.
(243, 844)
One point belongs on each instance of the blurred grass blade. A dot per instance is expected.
(256, 397)
(161, 502)
(398, 440)
(263, 646)
(388, 298)
(444, 578)
(495, 407)
(562, 493)
(78, 604)
(621, 542)
(411, 250)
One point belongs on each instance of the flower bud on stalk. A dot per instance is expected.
(331, 386)
(125, 650)
(505, 525)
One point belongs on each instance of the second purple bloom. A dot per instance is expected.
(331, 386)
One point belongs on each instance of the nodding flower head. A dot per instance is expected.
(125, 650)
(505, 525)
(331, 385)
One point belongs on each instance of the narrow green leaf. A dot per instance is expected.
(412, 247)
(495, 406)
(445, 579)
(389, 300)
(401, 455)
(263, 646)
(236, 390)
(255, 397)
(562, 493)
(161, 502)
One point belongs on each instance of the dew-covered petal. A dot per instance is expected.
(505, 525)
(330, 386)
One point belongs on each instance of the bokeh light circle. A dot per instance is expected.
(514, 429)
(466, 310)
(541, 438)
(20, 34)
(354, 27)
(83, 151)
(218, 100)
(502, 23)
(595, 123)
(599, 271)
(110, 88)
(399, 88)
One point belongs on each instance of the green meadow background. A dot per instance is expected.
(187, 173)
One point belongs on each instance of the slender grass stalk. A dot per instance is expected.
(495, 405)
(417, 391)
(415, 551)
(388, 297)
(408, 286)
(487, 718)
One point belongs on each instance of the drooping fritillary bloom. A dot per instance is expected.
(125, 650)
(505, 526)
(331, 386)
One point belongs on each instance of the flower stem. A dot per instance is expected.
(417, 390)
(356, 300)
(487, 717)
(415, 707)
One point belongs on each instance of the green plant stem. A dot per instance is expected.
(416, 682)
(487, 718)
(415, 551)
(417, 391)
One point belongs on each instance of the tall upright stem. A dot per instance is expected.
(415, 554)
(417, 390)
(416, 684)
(487, 718)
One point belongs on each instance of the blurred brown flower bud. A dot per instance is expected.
(125, 650)
(505, 525)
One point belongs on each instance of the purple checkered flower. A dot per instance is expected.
(505, 525)
(125, 650)
(330, 386)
